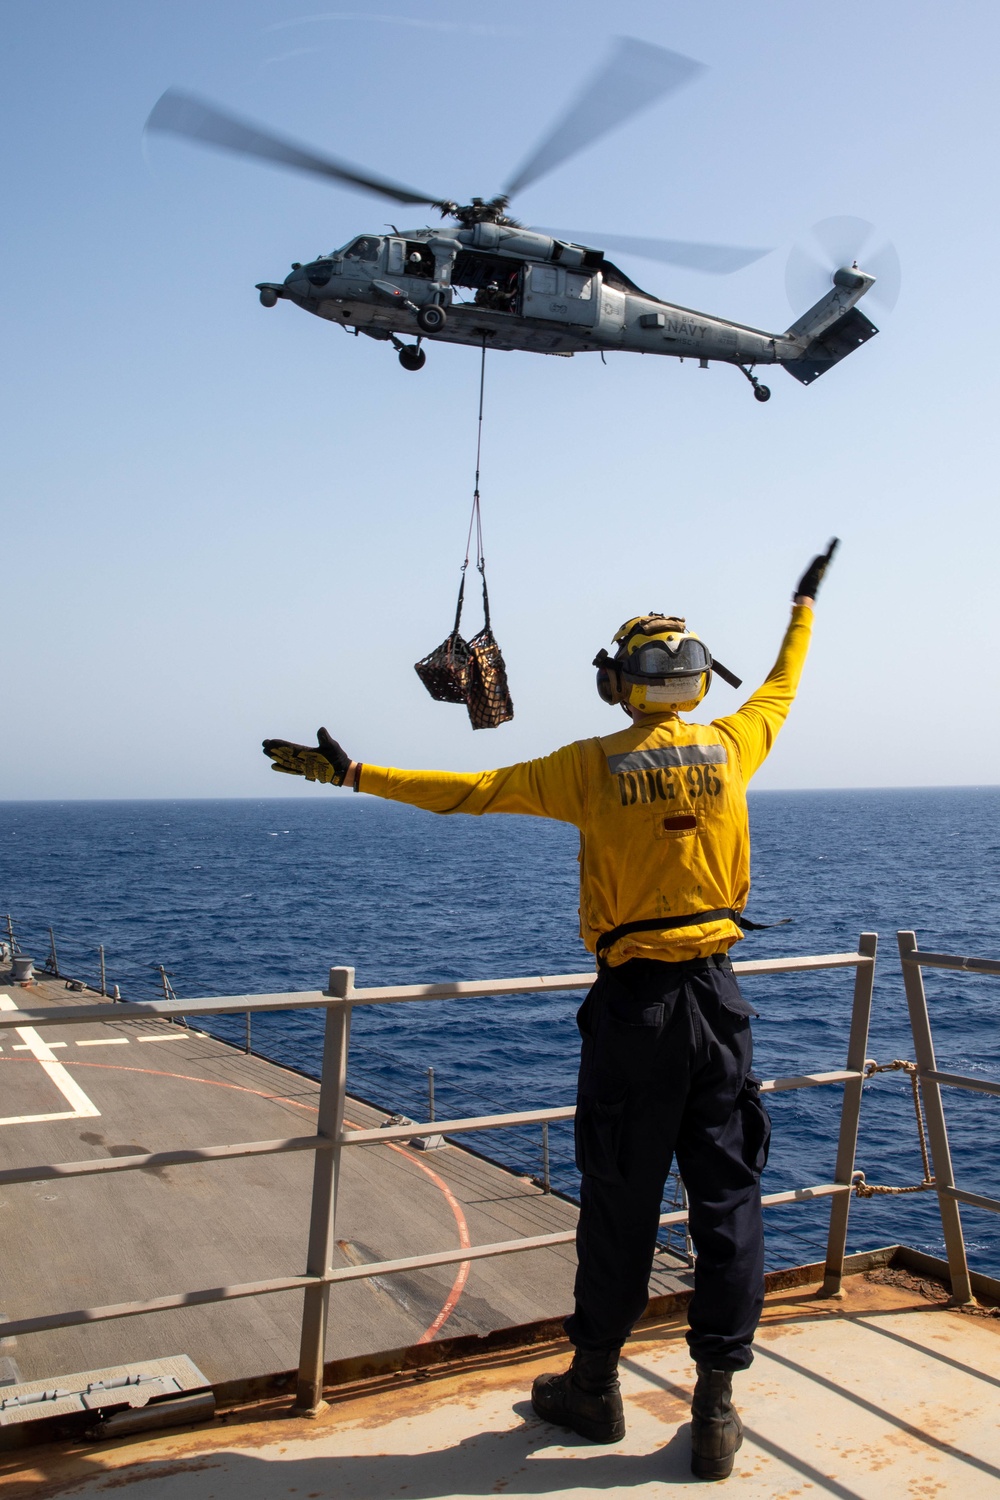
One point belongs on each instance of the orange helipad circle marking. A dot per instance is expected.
(458, 1285)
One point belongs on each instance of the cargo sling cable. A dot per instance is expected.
(471, 672)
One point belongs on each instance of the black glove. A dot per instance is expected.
(811, 579)
(327, 762)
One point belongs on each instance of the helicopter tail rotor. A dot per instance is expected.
(837, 243)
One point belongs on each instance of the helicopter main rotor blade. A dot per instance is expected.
(718, 260)
(177, 113)
(633, 78)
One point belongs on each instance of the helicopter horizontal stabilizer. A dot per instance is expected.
(848, 333)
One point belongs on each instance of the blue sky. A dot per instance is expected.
(222, 522)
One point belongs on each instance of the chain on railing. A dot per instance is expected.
(865, 1189)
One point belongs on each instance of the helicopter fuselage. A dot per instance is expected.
(513, 288)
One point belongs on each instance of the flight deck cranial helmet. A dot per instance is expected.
(659, 667)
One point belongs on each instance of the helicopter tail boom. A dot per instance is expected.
(849, 286)
(831, 329)
(849, 332)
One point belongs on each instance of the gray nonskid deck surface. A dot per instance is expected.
(152, 1086)
(880, 1395)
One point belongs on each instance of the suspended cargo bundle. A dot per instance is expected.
(487, 695)
(444, 670)
(471, 672)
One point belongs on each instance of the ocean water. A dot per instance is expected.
(258, 896)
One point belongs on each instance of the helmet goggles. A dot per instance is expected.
(658, 659)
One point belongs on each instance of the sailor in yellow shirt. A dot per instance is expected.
(666, 1057)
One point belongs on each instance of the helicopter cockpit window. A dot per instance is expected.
(366, 248)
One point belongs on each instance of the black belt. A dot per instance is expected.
(691, 919)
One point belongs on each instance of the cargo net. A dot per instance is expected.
(471, 672)
(444, 671)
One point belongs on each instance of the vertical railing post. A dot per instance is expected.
(546, 1180)
(104, 976)
(688, 1241)
(430, 1093)
(326, 1177)
(850, 1114)
(246, 1045)
(53, 955)
(937, 1130)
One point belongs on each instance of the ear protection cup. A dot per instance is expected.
(609, 682)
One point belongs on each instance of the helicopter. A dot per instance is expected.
(489, 281)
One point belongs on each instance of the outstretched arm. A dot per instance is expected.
(552, 787)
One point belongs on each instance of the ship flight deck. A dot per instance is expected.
(140, 1155)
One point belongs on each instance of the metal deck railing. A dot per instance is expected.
(331, 1139)
(931, 1080)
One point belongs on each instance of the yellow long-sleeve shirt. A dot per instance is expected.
(661, 808)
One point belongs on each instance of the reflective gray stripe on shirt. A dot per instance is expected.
(668, 755)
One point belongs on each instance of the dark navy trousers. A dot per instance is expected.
(665, 1071)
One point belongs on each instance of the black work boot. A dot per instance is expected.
(586, 1397)
(716, 1430)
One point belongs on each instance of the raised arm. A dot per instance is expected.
(755, 726)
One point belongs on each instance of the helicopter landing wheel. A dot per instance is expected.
(412, 358)
(432, 318)
(761, 392)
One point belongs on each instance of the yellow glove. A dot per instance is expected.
(326, 762)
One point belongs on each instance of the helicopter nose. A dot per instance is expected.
(297, 281)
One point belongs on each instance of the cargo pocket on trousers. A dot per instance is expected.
(756, 1126)
(733, 999)
(597, 1131)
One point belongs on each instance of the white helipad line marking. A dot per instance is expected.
(175, 1036)
(109, 1041)
(71, 1091)
(24, 1047)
